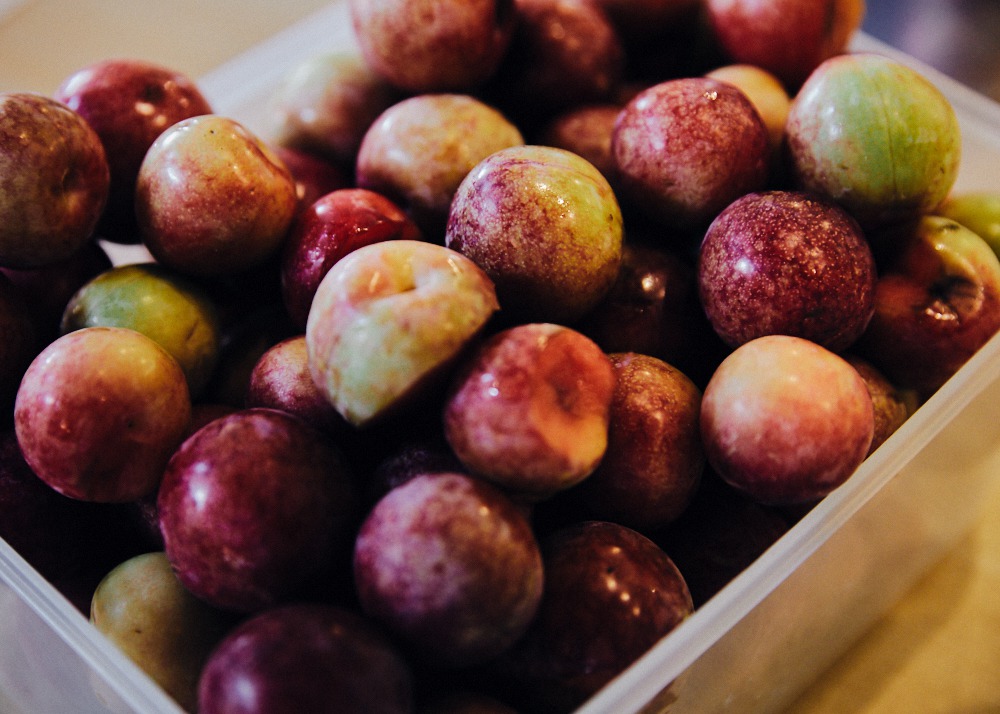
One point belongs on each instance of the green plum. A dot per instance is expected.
(149, 615)
(979, 211)
(158, 302)
(876, 136)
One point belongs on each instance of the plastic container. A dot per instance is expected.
(754, 646)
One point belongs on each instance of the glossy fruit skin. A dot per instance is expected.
(786, 37)
(529, 409)
(425, 46)
(686, 148)
(313, 658)
(328, 229)
(654, 460)
(128, 103)
(415, 304)
(142, 608)
(100, 411)
(885, 161)
(254, 507)
(785, 420)
(610, 595)
(545, 225)
(419, 150)
(212, 198)
(54, 180)
(161, 304)
(451, 565)
(786, 262)
(281, 380)
(937, 302)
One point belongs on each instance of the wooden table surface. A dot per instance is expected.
(938, 650)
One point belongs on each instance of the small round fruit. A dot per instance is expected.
(144, 610)
(418, 151)
(783, 262)
(311, 658)
(785, 420)
(545, 226)
(161, 304)
(212, 198)
(54, 180)
(529, 410)
(253, 507)
(451, 565)
(686, 148)
(887, 159)
(99, 413)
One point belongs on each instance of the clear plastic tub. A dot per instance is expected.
(754, 646)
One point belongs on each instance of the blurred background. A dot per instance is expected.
(958, 37)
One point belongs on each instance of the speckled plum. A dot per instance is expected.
(783, 262)
(686, 148)
(212, 198)
(546, 227)
(451, 565)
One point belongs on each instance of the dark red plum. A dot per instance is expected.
(654, 459)
(306, 658)
(129, 102)
(451, 565)
(255, 508)
(653, 309)
(936, 303)
(610, 595)
(784, 262)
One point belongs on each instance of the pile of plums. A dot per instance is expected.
(516, 337)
